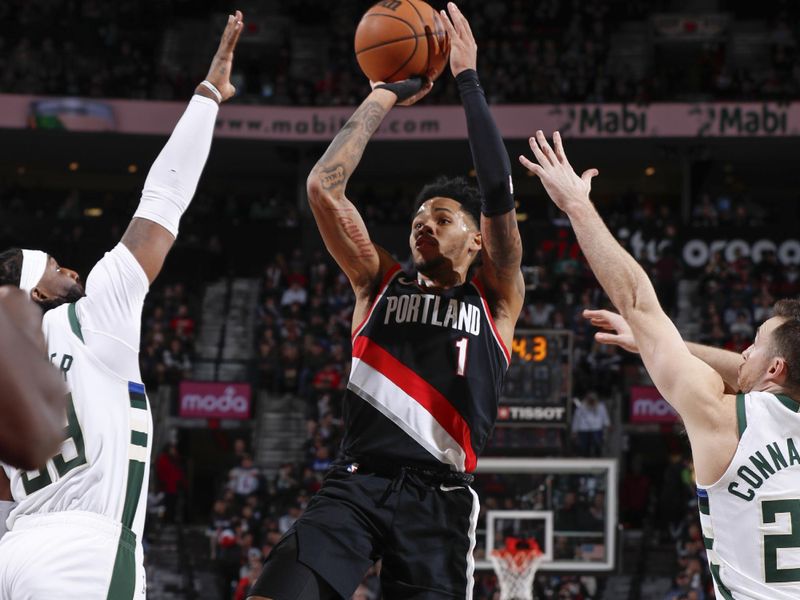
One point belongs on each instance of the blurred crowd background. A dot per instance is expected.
(300, 53)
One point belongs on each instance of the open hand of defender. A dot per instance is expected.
(463, 49)
(616, 331)
(560, 180)
(219, 74)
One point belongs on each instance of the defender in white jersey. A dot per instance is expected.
(746, 447)
(76, 528)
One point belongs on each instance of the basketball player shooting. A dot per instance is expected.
(745, 446)
(429, 357)
(76, 529)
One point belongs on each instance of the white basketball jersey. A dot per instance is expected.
(751, 516)
(103, 464)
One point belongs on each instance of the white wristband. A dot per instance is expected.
(207, 84)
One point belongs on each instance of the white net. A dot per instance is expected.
(515, 571)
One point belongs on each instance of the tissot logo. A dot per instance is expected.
(531, 413)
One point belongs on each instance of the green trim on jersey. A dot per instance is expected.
(132, 491)
(741, 414)
(723, 589)
(139, 438)
(123, 578)
(792, 405)
(138, 400)
(74, 323)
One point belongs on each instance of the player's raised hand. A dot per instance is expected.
(463, 49)
(408, 91)
(560, 180)
(616, 331)
(219, 74)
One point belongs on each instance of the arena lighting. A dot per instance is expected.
(650, 171)
(132, 168)
(73, 166)
(93, 212)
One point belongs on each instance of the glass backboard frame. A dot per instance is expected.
(608, 466)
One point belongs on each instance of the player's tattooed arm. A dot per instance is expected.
(343, 155)
(339, 222)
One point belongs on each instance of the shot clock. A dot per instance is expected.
(538, 384)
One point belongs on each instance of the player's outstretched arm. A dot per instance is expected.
(173, 178)
(617, 332)
(502, 246)
(32, 392)
(341, 226)
(691, 386)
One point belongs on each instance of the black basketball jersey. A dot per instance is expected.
(426, 377)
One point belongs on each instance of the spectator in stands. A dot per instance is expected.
(245, 479)
(177, 363)
(171, 479)
(590, 423)
(288, 519)
(252, 572)
(183, 324)
(605, 363)
(220, 521)
(680, 587)
(570, 516)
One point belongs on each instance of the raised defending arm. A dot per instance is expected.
(691, 386)
(174, 176)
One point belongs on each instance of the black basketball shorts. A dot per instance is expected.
(422, 528)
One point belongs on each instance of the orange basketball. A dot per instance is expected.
(397, 39)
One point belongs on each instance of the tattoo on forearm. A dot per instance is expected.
(333, 177)
(358, 236)
(344, 153)
(502, 238)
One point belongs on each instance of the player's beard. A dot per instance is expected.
(74, 294)
(429, 268)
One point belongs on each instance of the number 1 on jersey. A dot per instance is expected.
(462, 344)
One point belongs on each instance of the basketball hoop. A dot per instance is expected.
(515, 566)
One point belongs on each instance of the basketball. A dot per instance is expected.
(398, 39)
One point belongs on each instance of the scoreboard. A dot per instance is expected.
(538, 384)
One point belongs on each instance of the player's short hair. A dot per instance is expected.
(786, 344)
(456, 188)
(787, 308)
(11, 266)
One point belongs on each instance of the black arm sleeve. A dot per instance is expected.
(488, 151)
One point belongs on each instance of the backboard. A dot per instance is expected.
(568, 504)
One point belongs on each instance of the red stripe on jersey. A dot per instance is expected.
(420, 390)
(382, 290)
(479, 287)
